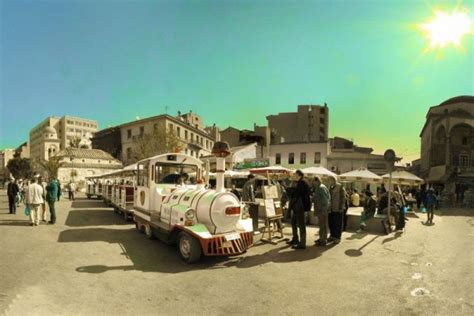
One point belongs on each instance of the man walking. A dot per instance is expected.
(72, 189)
(248, 196)
(335, 217)
(12, 192)
(51, 196)
(322, 200)
(302, 204)
(34, 201)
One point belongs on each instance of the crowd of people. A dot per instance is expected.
(34, 194)
(331, 203)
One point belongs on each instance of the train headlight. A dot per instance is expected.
(190, 215)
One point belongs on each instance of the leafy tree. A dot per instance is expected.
(20, 168)
(75, 142)
(161, 141)
(52, 166)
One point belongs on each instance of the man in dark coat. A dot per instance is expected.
(302, 204)
(248, 197)
(12, 192)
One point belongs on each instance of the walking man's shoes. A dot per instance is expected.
(292, 242)
(51, 223)
(320, 243)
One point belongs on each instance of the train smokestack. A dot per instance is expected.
(220, 150)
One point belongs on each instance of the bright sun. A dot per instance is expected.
(447, 29)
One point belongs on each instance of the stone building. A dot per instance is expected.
(197, 141)
(260, 136)
(109, 140)
(447, 141)
(345, 156)
(78, 163)
(299, 155)
(55, 133)
(309, 124)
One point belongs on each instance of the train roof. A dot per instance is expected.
(174, 158)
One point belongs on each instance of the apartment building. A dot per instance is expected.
(55, 133)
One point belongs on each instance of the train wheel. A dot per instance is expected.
(149, 232)
(189, 248)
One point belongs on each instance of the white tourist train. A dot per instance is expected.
(173, 204)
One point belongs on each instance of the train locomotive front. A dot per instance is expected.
(199, 221)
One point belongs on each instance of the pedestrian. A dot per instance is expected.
(302, 204)
(322, 200)
(370, 205)
(430, 202)
(355, 198)
(59, 189)
(335, 217)
(235, 191)
(12, 192)
(34, 200)
(248, 197)
(43, 205)
(72, 189)
(51, 196)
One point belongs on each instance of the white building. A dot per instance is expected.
(299, 155)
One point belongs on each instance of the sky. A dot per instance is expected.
(233, 62)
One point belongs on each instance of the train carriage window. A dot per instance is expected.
(142, 175)
(175, 174)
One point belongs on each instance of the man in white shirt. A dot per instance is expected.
(34, 201)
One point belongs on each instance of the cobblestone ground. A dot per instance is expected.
(92, 262)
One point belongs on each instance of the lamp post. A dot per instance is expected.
(390, 158)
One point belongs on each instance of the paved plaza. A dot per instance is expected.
(93, 262)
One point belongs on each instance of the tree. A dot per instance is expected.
(75, 142)
(20, 168)
(52, 166)
(161, 141)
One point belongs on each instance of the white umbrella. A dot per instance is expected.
(360, 174)
(271, 169)
(403, 177)
(318, 171)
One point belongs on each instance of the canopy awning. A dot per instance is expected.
(271, 170)
(360, 174)
(403, 177)
(318, 171)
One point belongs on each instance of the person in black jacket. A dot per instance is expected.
(12, 192)
(302, 204)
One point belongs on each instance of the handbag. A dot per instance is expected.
(27, 210)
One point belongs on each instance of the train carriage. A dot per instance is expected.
(173, 204)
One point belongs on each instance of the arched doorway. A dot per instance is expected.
(462, 145)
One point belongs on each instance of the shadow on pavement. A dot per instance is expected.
(94, 217)
(395, 236)
(455, 212)
(145, 255)
(15, 222)
(85, 203)
(358, 252)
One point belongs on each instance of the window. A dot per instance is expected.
(277, 159)
(129, 153)
(170, 126)
(142, 175)
(321, 120)
(291, 158)
(463, 161)
(317, 157)
(142, 131)
(207, 144)
(129, 133)
(322, 110)
(178, 131)
(173, 174)
(302, 158)
(192, 137)
(186, 135)
(321, 129)
(464, 141)
(155, 127)
(192, 152)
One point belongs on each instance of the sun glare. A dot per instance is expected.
(447, 29)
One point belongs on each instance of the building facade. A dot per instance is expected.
(260, 136)
(299, 155)
(345, 156)
(78, 163)
(196, 140)
(309, 124)
(109, 140)
(65, 128)
(447, 141)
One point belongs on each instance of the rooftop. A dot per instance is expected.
(85, 153)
